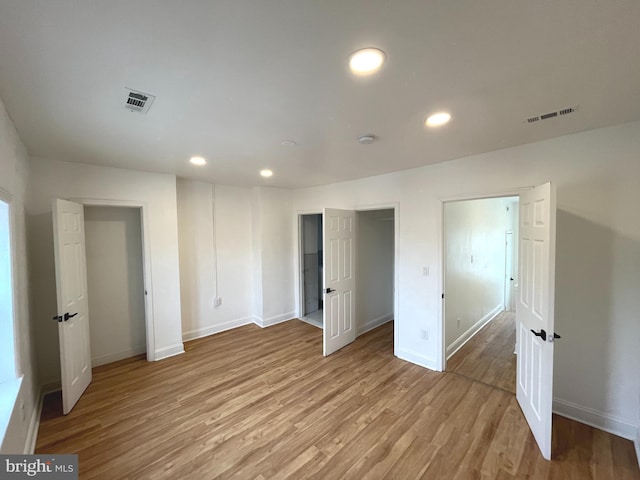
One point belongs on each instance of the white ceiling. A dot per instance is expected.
(234, 78)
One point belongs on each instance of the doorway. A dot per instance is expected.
(373, 266)
(480, 277)
(311, 260)
(115, 283)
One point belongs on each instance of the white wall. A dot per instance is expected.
(21, 430)
(598, 255)
(474, 239)
(115, 283)
(273, 222)
(50, 179)
(374, 268)
(198, 269)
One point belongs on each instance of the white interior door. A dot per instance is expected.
(338, 233)
(535, 311)
(73, 306)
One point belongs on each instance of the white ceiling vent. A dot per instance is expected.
(137, 101)
(546, 116)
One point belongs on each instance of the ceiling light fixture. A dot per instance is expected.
(266, 173)
(366, 61)
(199, 161)
(437, 119)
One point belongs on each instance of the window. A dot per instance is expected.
(7, 344)
(9, 384)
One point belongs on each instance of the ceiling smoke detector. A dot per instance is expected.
(137, 101)
(366, 139)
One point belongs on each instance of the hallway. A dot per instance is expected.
(488, 357)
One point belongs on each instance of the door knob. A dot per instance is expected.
(57, 318)
(67, 316)
(329, 290)
(542, 334)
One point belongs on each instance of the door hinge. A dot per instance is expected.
(443, 296)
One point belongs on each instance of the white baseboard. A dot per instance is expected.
(34, 424)
(50, 387)
(307, 321)
(268, 322)
(114, 357)
(417, 358)
(213, 329)
(470, 333)
(375, 323)
(594, 418)
(170, 351)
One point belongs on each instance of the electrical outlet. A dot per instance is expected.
(425, 271)
(217, 302)
(424, 334)
(458, 322)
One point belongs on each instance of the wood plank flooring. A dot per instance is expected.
(257, 403)
(488, 357)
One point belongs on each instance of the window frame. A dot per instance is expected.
(13, 372)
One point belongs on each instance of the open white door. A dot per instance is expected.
(535, 311)
(73, 307)
(338, 233)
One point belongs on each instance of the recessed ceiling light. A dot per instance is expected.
(266, 173)
(366, 61)
(199, 161)
(288, 143)
(437, 119)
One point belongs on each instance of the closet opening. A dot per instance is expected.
(115, 283)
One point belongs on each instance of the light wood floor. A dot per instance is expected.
(488, 357)
(263, 403)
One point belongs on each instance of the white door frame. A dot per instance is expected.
(146, 261)
(395, 206)
(508, 285)
(514, 192)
